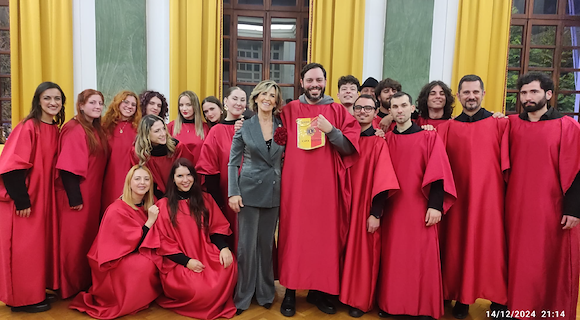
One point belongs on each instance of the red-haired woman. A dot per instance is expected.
(26, 199)
(82, 157)
(120, 123)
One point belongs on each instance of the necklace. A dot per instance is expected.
(121, 130)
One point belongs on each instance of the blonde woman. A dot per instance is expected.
(189, 127)
(124, 280)
(120, 123)
(157, 150)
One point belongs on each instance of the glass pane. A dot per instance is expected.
(518, 6)
(227, 21)
(282, 73)
(258, 2)
(305, 28)
(5, 63)
(570, 36)
(543, 35)
(283, 28)
(287, 94)
(514, 57)
(570, 59)
(541, 57)
(512, 79)
(285, 3)
(5, 40)
(570, 81)
(304, 51)
(249, 72)
(283, 50)
(250, 49)
(226, 1)
(226, 87)
(5, 87)
(516, 34)
(568, 102)
(545, 6)
(252, 27)
(226, 48)
(4, 17)
(510, 101)
(573, 7)
(226, 71)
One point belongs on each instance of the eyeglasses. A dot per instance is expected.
(132, 104)
(366, 108)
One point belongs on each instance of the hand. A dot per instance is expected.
(569, 222)
(226, 257)
(386, 122)
(238, 125)
(428, 127)
(77, 208)
(379, 133)
(235, 203)
(499, 115)
(195, 265)
(24, 213)
(373, 224)
(432, 217)
(323, 124)
(152, 215)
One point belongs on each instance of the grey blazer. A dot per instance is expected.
(259, 181)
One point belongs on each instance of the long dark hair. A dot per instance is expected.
(146, 96)
(422, 107)
(197, 208)
(36, 110)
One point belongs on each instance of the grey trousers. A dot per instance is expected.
(256, 227)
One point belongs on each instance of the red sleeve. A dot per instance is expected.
(19, 148)
(208, 162)
(73, 150)
(170, 127)
(438, 168)
(569, 154)
(386, 178)
(218, 222)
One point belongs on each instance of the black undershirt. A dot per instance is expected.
(72, 185)
(15, 184)
(479, 115)
(145, 230)
(188, 121)
(160, 150)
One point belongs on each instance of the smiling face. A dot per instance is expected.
(140, 183)
(347, 94)
(154, 106)
(236, 103)
(436, 98)
(158, 133)
(364, 111)
(212, 112)
(471, 96)
(50, 103)
(183, 179)
(266, 101)
(93, 107)
(128, 107)
(313, 85)
(185, 108)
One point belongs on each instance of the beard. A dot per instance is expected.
(386, 104)
(314, 98)
(535, 106)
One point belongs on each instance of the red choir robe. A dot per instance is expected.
(24, 241)
(160, 167)
(188, 137)
(543, 259)
(204, 295)
(77, 229)
(377, 121)
(372, 174)
(214, 159)
(410, 274)
(315, 202)
(119, 162)
(124, 281)
(434, 122)
(474, 258)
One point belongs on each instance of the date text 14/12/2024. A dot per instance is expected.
(520, 314)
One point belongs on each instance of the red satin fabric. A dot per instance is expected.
(124, 281)
(188, 137)
(434, 122)
(119, 162)
(160, 167)
(372, 174)
(543, 259)
(204, 295)
(214, 159)
(315, 201)
(24, 242)
(77, 229)
(410, 274)
(473, 257)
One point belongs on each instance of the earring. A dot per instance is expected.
(226, 108)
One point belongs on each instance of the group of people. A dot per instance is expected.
(377, 202)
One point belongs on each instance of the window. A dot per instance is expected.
(5, 89)
(265, 39)
(544, 37)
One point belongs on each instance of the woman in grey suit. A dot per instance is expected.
(255, 195)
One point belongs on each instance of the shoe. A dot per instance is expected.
(355, 313)
(383, 314)
(425, 318)
(33, 308)
(267, 305)
(51, 298)
(239, 311)
(321, 301)
(460, 310)
(288, 306)
(500, 311)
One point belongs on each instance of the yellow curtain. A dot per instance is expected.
(41, 49)
(481, 48)
(337, 38)
(195, 44)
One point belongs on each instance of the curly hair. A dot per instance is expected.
(146, 96)
(265, 86)
(198, 117)
(422, 106)
(95, 145)
(387, 83)
(143, 145)
(113, 114)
